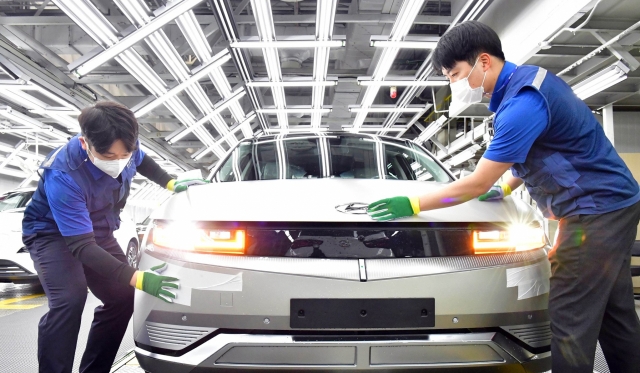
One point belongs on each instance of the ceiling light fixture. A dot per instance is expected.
(292, 83)
(404, 44)
(407, 14)
(366, 81)
(463, 156)
(220, 59)
(288, 44)
(216, 111)
(431, 130)
(601, 80)
(293, 110)
(387, 109)
(135, 37)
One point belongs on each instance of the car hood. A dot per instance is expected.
(315, 200)
(11, 221)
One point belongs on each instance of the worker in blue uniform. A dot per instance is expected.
(554, 145)
(68, 231)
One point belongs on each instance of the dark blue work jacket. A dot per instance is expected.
(572, 168)
(75, 197)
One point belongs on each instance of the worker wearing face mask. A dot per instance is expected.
(554, 145)
(68, 230)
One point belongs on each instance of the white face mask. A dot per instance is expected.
(111, 168)
(463, 96)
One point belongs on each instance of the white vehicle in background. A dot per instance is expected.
(15, 262)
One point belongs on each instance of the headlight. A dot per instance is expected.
(189, 238)
(518, 237)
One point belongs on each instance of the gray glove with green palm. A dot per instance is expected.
(159, 286)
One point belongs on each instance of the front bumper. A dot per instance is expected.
(11, 271)
(460, 352)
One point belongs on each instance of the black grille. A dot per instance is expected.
(174, 337)
(9, 268)
(536, 335)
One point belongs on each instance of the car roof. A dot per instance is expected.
(21, 190)
(293, 135)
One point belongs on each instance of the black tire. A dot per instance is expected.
(133, 254)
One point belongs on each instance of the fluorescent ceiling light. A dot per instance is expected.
(404, 44)
(431, 130)
(387, 109)
(54, 110)
(402, 83)
(464, 155)
(295, 83)
(23, 86)
(293, 130)
(288, 44)
(601, 80)
(195, 37)
(70, 123)
(196, 76)
(20, 118)
(136, 36)
(90, 20)
(303, 110)
(216, 111)
(26, 130)
(237, 127)
(475, 11)
(380, 128)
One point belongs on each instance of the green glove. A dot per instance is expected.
(159, 286)
(498, 191)
(182, 185)
(394, 208)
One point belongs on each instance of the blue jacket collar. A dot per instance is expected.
(503, 80)
(76, 156)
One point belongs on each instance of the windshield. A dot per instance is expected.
(11, 201)
(330, 156)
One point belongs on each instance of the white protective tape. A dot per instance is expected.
(202, 280)
(532, 280)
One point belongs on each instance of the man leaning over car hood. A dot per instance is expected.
(551, 141)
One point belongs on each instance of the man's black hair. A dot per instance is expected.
(466, 42)
(106, 122)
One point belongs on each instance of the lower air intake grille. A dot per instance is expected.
(9, 268)
(174, 337)
(536, 335)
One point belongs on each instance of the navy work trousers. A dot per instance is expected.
(591, 295)
(65, 282)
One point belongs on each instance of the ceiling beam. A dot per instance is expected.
(250, 19)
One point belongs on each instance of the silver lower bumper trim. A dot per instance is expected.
(273, 351)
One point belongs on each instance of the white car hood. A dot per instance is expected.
(315, 200)
(11, 221)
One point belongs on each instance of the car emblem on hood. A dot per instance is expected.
(354, 208)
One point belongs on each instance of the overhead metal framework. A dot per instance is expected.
(202, 75)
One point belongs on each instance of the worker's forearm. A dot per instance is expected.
(86, 250)
(152, 171)
(458, 192)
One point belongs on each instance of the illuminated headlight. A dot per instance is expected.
(188, 238)
(518, 237)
